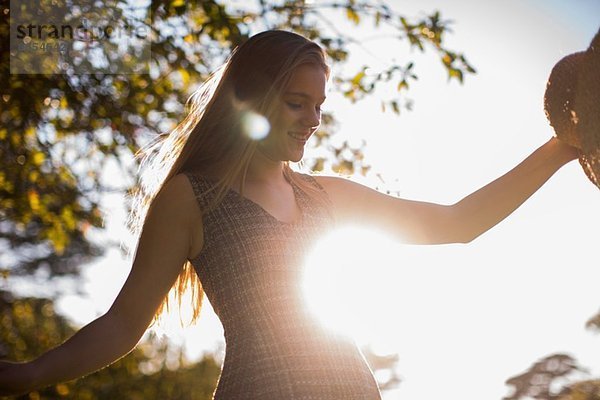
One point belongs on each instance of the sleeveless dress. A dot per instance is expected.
(251, 271)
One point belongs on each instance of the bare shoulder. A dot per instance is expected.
(330, 181)
(348, 198)
(181, 184)
(178, 192)
(178, 202)
(339, 187)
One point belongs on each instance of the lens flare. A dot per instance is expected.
(255, 126)
(349, 283)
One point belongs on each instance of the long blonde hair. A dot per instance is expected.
(210, 139)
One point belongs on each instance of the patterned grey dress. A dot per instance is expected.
(251, 269)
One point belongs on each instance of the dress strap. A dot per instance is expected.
(325, 199)
(204, 189)
(312, 180)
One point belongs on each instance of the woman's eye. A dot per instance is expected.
(294, 106)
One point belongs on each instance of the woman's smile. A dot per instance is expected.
(299, 136)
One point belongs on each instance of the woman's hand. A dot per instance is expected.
(16, 378)
(565, 150)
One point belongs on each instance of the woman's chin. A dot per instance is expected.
(296, 156)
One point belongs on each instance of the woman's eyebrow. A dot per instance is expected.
(302, 94)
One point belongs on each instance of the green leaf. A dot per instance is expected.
(404, 23)
(455, 73)
(352, 15)
(357, 78)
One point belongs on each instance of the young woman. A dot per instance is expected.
(231, 210)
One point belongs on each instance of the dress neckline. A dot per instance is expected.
(297, 200)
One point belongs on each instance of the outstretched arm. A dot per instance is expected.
(492, 203)
(162, 250)
(420, 222)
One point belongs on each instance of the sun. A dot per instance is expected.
(350, 281)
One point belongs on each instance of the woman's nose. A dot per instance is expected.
(312, 119)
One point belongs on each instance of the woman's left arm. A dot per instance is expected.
(489, 205)
(418, 222)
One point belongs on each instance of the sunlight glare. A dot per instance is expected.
(349, 284)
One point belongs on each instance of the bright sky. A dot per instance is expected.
(463, 318)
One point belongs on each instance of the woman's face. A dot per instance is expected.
(298, 115)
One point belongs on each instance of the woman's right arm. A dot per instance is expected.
(163, 248)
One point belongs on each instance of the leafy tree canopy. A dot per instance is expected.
(58, 131)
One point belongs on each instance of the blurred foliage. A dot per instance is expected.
(547, 379)
(594, 323)
(538, 382)
(153, 370)
(584, 390)
(384, 367)
(58, 131)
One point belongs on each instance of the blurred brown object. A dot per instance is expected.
(572, 105)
